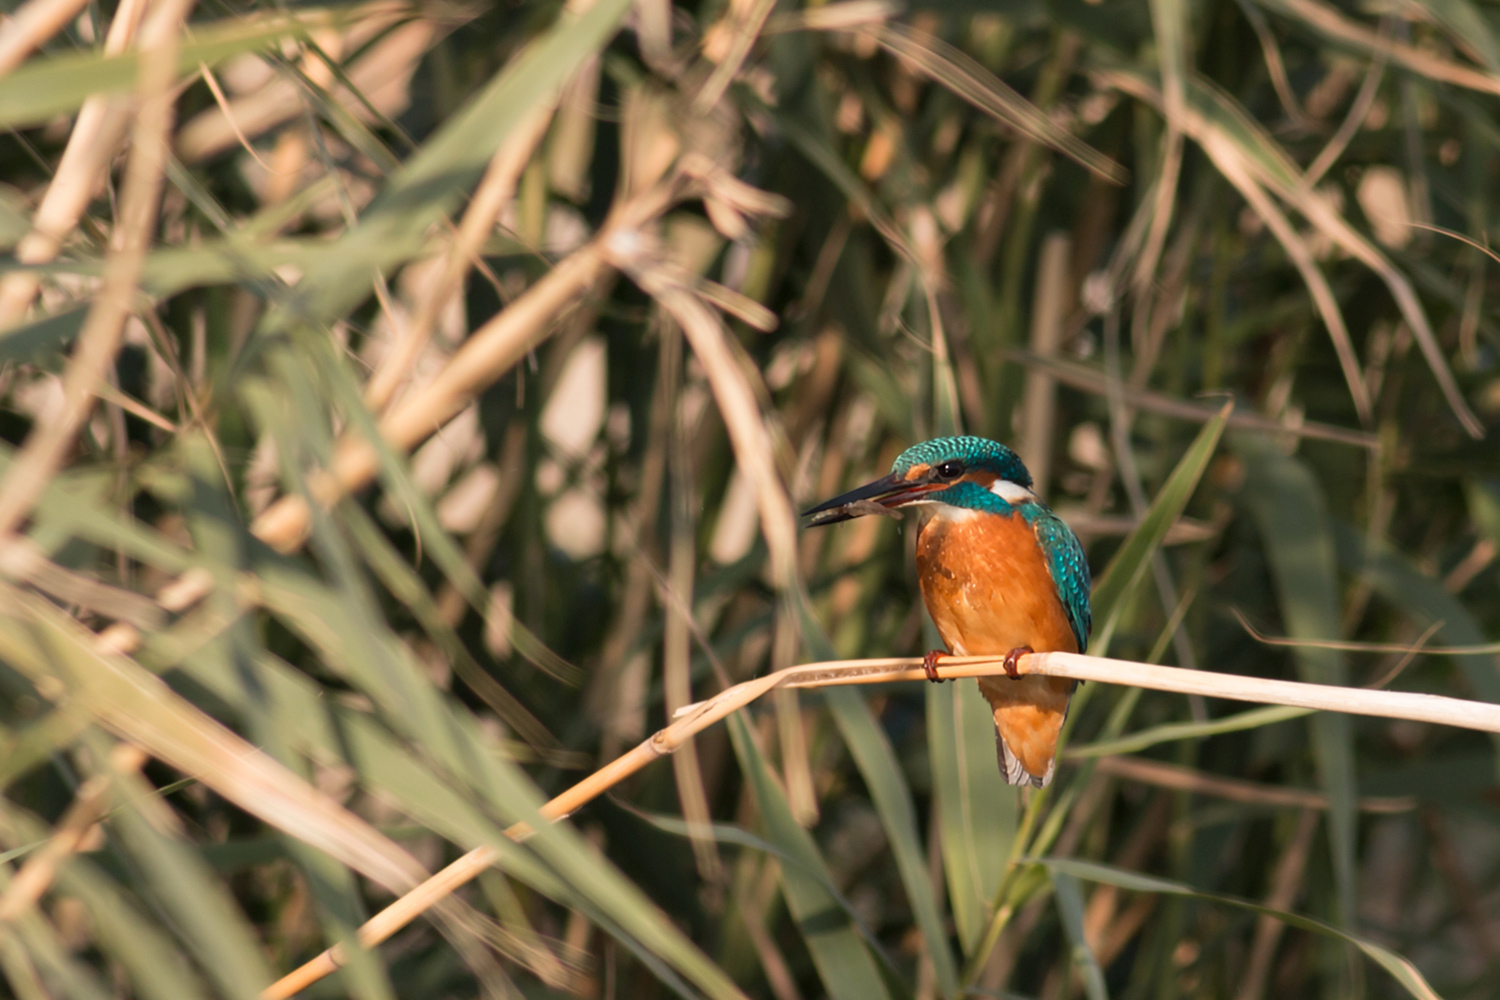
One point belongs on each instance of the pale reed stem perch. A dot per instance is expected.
(695, 718)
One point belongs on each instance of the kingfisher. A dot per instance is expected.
(1000, 573)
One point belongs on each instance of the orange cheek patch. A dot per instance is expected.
(916, 472)
(983, 477)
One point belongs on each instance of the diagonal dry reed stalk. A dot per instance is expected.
(99, 339)
(96, 137)
(26, 29)
(736, 398)
(693, 719)
(1235, 159)
(71, 835)
(1336, 25)
(963, 75)
(1359, 109)
(489, 352)
(1231, 165)
(495, 192)
(743, 26)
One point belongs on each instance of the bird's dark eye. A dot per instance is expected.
(951, 469)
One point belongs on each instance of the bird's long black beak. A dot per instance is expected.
(882, 496)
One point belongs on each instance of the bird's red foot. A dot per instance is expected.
(1012, 658)
(930, 662)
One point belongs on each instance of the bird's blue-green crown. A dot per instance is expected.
(974, 452)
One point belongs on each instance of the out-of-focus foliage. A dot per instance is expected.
(623, 284)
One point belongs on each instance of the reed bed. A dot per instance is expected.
(404, 413)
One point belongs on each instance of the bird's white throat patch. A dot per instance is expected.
(936, 510)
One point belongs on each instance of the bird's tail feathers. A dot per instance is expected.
(1029, 713)
(1015, 772)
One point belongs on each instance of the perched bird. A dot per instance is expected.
(1000, 574)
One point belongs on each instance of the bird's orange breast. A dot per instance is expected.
(986, 584)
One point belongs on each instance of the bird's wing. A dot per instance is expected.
(1070, 572)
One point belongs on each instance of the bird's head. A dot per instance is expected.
(971, 473)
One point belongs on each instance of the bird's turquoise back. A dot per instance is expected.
(1069, 569)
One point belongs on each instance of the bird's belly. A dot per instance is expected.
(985, 582)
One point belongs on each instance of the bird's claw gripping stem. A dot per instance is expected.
(929, 665)
(1011, 659)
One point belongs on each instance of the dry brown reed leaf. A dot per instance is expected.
(728, 200)
(1359, 108)
(694, 719)
(1275, 65)
(25, 30)
(133, 406)
(1318, 210)
(1330, 21)
(753, 909)
(222, 101)
(677, 665)
(1232, 165)
(753, 448)
(99, 338)
(95, 139)
(28, 885)
(380, 76)
(742, 307)
(24, 561)
(952, 68)
(496, 191)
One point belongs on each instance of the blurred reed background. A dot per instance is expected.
(620, 286)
